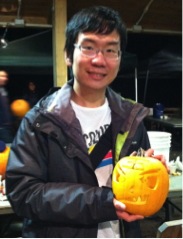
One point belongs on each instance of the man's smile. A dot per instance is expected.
(97, 75)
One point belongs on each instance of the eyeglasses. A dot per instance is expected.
(109, 53)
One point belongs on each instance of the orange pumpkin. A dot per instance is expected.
(20, 107)
(141, 183)
(3, 160)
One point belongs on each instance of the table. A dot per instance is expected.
(5, 208)
(170, 122)
(10, 223)
(175, 190)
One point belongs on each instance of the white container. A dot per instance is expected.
(162, 151)
(172, 169)
(159, 135)
(160, 142)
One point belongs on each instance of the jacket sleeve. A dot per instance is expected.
(33, 196)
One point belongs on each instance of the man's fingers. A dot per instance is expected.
(128, 217)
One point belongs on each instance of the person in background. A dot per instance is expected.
(31, 94)
(57, 178)
(6, 132)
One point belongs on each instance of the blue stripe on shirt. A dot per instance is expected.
(105, 162)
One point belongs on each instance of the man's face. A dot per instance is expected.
(32, 86)
(96, 72)
(3, 78)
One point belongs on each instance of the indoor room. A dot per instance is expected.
(33, 52)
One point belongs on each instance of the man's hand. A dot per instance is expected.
(122, 214)
(150, 153)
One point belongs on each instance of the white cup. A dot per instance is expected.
(172, 169)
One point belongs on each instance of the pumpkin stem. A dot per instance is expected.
(141, 152)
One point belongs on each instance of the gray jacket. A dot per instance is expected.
(50, 179)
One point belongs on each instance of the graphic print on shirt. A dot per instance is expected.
(93, 137)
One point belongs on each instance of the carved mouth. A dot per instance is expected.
(139, 200)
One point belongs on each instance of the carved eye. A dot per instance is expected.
(152, 182)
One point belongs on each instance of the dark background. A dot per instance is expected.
(162, 56)
(158, 53)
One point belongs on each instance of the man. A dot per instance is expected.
(6, 134)
(31, 93)
(52, 180)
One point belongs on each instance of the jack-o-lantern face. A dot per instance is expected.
(141, 183)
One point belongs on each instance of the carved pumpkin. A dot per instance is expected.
(20, 107)
(141, 183)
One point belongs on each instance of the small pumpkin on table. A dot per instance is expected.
(4, 154)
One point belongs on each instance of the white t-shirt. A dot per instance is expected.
(94, 122)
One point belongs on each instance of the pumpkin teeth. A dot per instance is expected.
(139, 199)
(135, 201)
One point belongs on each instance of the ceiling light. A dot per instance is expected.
(3, 41)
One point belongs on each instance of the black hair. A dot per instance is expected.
(97, 19)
